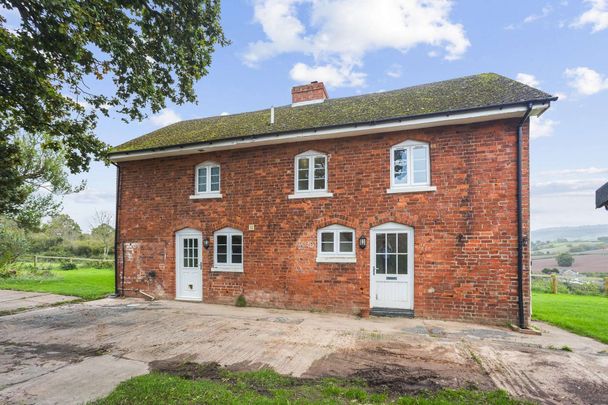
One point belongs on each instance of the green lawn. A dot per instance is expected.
(581, 314)
(86, 283)
(268, 387)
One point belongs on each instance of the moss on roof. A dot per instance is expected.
(466, 93)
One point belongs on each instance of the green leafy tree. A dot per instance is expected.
(63, 227)
(149, 51)
(565, 259)
(102, 230)
(13, 242)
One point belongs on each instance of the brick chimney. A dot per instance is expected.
(308, 93)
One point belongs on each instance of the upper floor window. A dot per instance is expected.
(410, 167)
(228, 250)
(336, 243)
(207, 183)
(310, 175)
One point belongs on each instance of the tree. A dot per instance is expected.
(149, 51)
(102, 230)
(13, 242)
(63, 227)
(565, 259)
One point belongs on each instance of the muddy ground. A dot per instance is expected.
(79, 352)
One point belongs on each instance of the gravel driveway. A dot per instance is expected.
(78, 352)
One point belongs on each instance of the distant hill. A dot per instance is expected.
(584, 232)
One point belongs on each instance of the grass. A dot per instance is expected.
(583, 315)
(86, 283)
(268, 387)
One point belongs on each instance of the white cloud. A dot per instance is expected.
(528, 79)
(561, 96)
(165, 117)
(394, 71)
(225, 113)
(586, 81)
(569, 172)
(546, 10)
(596, 16)
(334, 76)
(338, 33)
(541, 127)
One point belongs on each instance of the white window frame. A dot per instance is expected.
(311, 192)
(207, 193)
(228, 266)
(411, 186)
(336, 256)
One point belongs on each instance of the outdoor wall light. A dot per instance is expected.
(206, 243)
(362, 242)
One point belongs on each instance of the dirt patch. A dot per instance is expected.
(401, 368)
(188, 370)
(51, 351)
(588, 392)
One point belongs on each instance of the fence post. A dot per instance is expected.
(554, 283)
(605, 285)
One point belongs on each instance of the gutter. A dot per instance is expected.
(520, 223)
(334, 131)
(117, 291)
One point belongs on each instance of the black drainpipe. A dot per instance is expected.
(117, 291)
(520, 223)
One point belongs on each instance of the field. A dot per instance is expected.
(588, 262)
(583, 315)
(86, 283)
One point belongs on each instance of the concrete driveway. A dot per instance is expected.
(78, 352)
(15, 301)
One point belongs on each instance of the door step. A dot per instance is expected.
(392, 312)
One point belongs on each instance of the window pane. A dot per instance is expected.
(380, 243)
(202, 179)
(237, 240)
(237, 259)
(402, 264)
(221, 258)
(420, 164)
(346, 242)
(391, 243)
(327, 242)
(391, 264)
(400, 166)
(194, 252)
(380, 264)
(215, 178)
(222, 244)
(402, 242)
(303, 165)
(319, 173)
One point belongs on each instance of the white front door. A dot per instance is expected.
(392, 267)
(188, 272)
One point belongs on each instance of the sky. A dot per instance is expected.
(365, 46)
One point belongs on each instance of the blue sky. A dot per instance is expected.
(358, 46)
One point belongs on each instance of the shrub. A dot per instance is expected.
(67, 266)
(241, 301)
(102, 265)
(565, 260)
(13, 243)
(550, 271)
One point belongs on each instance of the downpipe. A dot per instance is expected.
(520, 224)
(117, 291)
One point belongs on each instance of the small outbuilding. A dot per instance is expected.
(601, 197)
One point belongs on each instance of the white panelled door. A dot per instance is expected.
(188, 266)
(392, 267)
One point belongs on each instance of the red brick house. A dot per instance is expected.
(413, 201)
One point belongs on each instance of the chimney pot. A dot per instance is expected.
(314, 92)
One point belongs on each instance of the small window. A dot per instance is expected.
(336, 243)
(310, 175)
(410, 167)
(207, 184)
(228, 250)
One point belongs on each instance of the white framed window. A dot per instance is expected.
(228, 250)
(207, 181)
(336, 244)
(310, 175)
(410, 167)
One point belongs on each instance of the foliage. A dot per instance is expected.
(151, 51)
(550, 271)
(584, 315)
(63, 227)
(86, 283)
(268, 387)
(102, 230)
(568, 286)
(68, 266)
(13, 242)
(241, 301)
(565, 259)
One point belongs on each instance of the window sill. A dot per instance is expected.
(205, 196)
(336, 259)
(227, 269)
(312, 194)
(410, 189)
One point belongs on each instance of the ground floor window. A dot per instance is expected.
(228, 250)
(336, 243)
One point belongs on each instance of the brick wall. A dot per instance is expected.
(471, 278)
